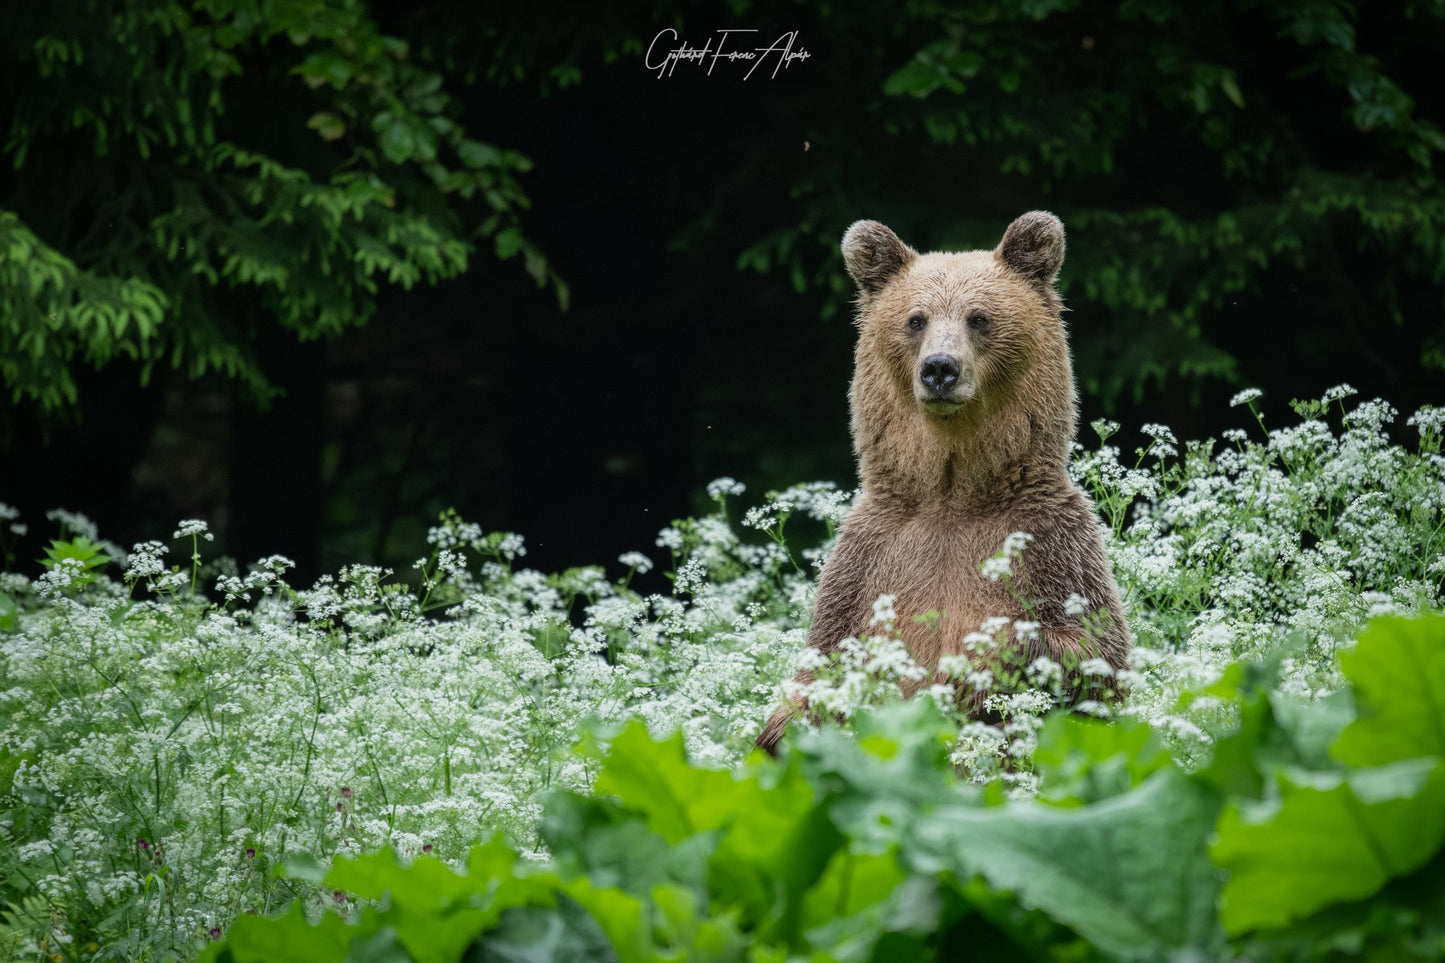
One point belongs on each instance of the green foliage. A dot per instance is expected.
(868, 849)
(53, 314)
(1399, 678)
(1200, 178)
(187, 173)
(1321, 838)
(81, 557)
(166, 760)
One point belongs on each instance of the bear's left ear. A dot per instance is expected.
(1033, 246)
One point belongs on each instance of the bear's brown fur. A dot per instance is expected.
(963, 417)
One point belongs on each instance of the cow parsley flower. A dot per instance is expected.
(720, 488)
(636, 560)
(192, 527)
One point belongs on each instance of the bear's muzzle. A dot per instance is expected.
(944, 383)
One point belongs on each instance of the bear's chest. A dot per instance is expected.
(930, 563)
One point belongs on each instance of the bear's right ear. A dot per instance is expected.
(873, 255)
(1033, 246)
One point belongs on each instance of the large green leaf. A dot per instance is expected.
(655, 779)
(291, 938)
(775, 849)
(613, 846)
(1327, 838)
(535, 934)
(861, 899)
(626, 919)
(1398, 671)
(893, 769)
(429, 906)
(1082, 760)
(1130, 874)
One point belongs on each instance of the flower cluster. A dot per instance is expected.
(1281, 544)
(233, 735)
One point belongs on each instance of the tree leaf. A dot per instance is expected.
(397, 142)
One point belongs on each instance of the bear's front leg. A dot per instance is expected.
(772, 733)
(838, 612)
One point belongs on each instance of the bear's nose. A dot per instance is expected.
(939, 372)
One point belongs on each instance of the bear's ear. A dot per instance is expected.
(1033, 246)
(873, 255)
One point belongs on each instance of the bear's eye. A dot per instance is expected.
(978, 321)
(917, 323)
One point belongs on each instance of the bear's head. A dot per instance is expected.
(962, 354)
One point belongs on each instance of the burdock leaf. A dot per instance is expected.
(1398, 672)
(1130, 874)
(1327, 838)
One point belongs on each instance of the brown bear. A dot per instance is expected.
(963, 418)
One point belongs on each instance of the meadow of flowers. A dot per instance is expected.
(182, 744)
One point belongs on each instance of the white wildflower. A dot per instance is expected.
(636, 560)
(193, 526)
(883, 613)
(720, 488)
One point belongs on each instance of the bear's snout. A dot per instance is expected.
(944, 382)
(939, 373)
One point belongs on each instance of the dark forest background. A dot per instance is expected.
(315, 270)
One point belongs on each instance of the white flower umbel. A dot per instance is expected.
(355, 713)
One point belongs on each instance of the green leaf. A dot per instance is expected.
(1130, 874)
(396, 138)
(508, 242)
(1311, 728)
(1274, 730)
(320, 68)
(681, 924)
(328, 125)
(887, 776)
(291, 938)
(376, 874)
(655, 779)
(613, 847)
(80, 549)
(476, 154)
(1398, 671)
(1230, 85)
(913, 78)
(1081, 760)
(433, 910)
(1327, 838)
(861, 897)
(777, 844)
(8, 613)
(622, 916)
(535, 934)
